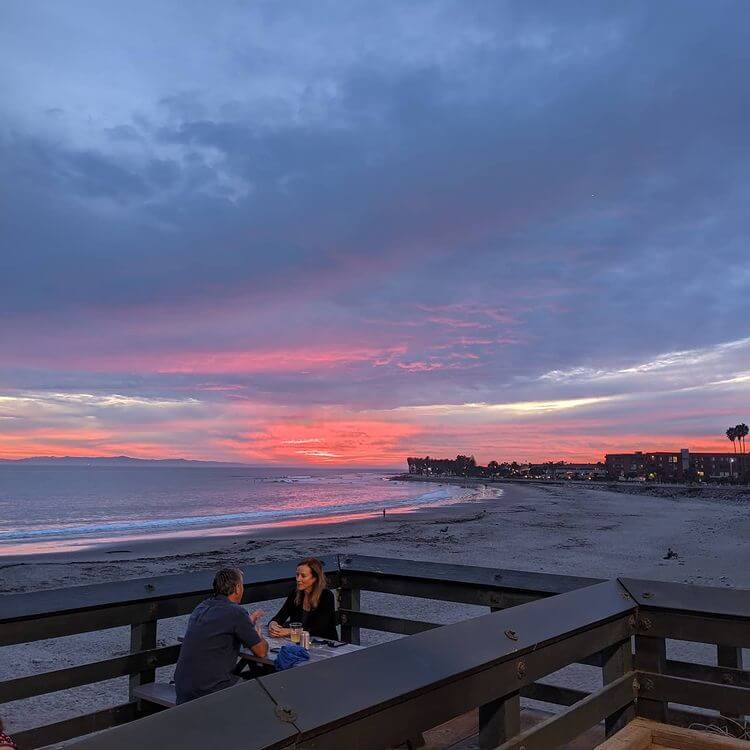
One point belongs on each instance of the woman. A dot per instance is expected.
(310, 603)
(5, 740)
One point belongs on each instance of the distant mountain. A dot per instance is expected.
(113, 461)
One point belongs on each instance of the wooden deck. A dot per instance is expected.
(462, 734)
(642, 735)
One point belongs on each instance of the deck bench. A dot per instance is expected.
(159, 693)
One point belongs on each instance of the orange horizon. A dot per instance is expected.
(321, 460)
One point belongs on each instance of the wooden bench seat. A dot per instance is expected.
(159, 693)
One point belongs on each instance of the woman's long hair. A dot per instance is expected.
(316, 568)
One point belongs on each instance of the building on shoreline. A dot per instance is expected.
(674, 466)
(565, 470)
(466, 466)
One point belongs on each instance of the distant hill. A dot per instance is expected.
(112, 461)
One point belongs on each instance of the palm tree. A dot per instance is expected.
(732, 435)
(742, 430)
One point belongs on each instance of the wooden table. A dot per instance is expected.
(317, 651)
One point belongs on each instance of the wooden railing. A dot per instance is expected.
(139, 604)
(378, 697)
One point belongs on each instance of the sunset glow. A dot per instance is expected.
(355, 236)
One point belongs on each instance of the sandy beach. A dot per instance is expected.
(567, 528)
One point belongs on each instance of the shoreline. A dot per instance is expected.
(728, 492)
(246, 545)
(55, 543)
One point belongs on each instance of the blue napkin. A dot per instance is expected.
(290, 656)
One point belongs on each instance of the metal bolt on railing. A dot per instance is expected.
(286, 714)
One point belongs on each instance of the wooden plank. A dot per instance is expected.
(730, 656)
(160, 693)
(349, 602)
(617, 661)
(85, 674)
(57, 625)
(683, 717)
(499, 720)
(697, 628)
(49, 602)
(385, 623)
(650, 656)
(641, 734)
(634, 736)
(510, 580)
(80, 609)
(142, 638)
(240, 718)
(75, 727)
(708, 673)
(568, 724)
(729, 699)
(445, 590)
(555, 694)
(688, 739)
(709, 601)
(54, 626)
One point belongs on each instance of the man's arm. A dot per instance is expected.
(260, 649)
(249, 634)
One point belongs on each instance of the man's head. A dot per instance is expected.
(228, 582)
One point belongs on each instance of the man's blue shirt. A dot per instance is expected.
(209, 652)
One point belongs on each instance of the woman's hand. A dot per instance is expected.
(276, 631)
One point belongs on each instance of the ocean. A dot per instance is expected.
(63, 508)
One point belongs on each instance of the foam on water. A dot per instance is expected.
(45, 504)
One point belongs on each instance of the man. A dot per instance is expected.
(216, 629)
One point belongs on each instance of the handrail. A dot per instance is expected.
(518, 581)
(79, 609)
(712, 601)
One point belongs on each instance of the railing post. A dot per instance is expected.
(616, 662)
(729, 656)
(348, 599)
(142, 638)
(651, 656)
(499, 720)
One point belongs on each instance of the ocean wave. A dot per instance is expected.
(433, 497)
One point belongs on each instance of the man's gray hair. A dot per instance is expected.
(227, 580)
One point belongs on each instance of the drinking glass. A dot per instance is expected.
(295, 631)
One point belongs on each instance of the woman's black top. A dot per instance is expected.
(319, 622)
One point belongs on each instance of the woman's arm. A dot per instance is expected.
(276, 627)
(325, 617)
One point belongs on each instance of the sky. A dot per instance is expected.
(345, 233)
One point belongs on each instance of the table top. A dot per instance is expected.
(318, 651)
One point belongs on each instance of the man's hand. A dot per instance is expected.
(255, 616)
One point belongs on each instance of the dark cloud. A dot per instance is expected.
(336, 176)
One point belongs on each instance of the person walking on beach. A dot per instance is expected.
(216, 629)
